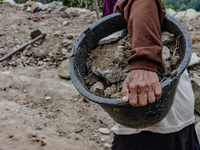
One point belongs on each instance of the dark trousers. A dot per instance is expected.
(186, 139)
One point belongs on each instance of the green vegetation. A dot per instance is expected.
(181, 5)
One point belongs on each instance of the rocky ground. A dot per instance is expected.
(38, 108)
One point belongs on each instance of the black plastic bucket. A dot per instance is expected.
(124, 113)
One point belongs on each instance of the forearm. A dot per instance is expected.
(144, 18)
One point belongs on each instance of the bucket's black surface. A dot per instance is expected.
(124, 113)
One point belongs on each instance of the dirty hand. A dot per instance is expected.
(141, 87)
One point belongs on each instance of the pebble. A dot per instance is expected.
(103, 139)
(64, 51)
(107, 146)
(110, 90)
(113, 37)
(167, 37)
(67, 55)
(65, 23)
(43, 24)
(10, 135)
(119, 57)
(97, 89)
(104, 130)
(16, 32)
(165, 53)
(70, 36)
(47, 98)
(25, 91)
(57, 33)
(63, 69)
(28, 9)
(40, 63)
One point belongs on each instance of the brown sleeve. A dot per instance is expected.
(144, 18)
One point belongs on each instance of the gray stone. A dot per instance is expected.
(55, 5)
(64, 51)
(97, 89)
(120, 48)
(57, 33)
(113, 37)
(70, 36)
(119, 57)
(110, 90)
(29, 3)
(112, 77)
(91, 79)
(194, 60)
(28, 9)
(63, 8)
(109, 75)
(104, 130)
(56, 11)
(25, 91)
(40, 63)
(67, 55)
(175, 60)
(171, 12)
(43, 24)
(167, 37)
(116, 95)
(107, 146)
(40, 5)
(167, 68)
(47, 98)
(63, 70)
(186, 16)
(65, 23)
(34, 7)
(78, 10)
(67, 42)
(165, 53)
(45, 7)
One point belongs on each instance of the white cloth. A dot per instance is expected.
(180, 115)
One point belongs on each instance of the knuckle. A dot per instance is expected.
(132, 86)
(141, 85)
(151, 84)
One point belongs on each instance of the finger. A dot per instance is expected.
(142, 95)
(158, 91)
(125, 93)
(151, 96)
(133, 97)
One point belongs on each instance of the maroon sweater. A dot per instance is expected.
(144, 18)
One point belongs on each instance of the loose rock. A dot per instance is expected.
(113, 37)
(97, 89)
(107, 146)
(34, 7)
(110, 90)
(165, 53)
(104, 130)
(63, 70)
(194, 60)
(65, 23)
(55, 5)
(167, 37)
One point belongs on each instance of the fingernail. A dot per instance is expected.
(124, 98)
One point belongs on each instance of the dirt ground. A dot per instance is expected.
(38, 109)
